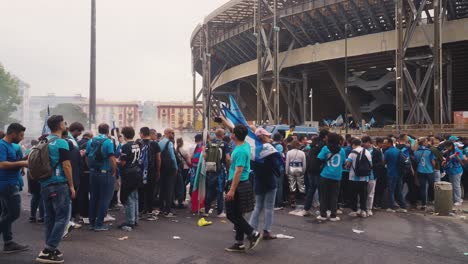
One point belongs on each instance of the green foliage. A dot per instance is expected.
(9, 97)
(71, 113)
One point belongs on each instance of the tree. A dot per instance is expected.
(9, 98)
(70, 112)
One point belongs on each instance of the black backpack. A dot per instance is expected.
(166, 160)
(363, 166)
(314, 164)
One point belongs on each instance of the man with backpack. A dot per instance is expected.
(377, 165)
(395, 162)
(360, 162)
(57, 188)
(83, 191)
(168, 172)
(10, 198)
(408, 172)
(314, 168)
(150, 166)
(217, 156)
(103, 169)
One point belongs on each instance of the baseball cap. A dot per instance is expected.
(261, 131)
(453, 138)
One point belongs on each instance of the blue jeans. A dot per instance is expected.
(131, 208)
(314, 183)
(57, 205)
(214, 190)
(279, 193)
(395, 187)
(425, 180)
(101, 188)
(10, 208)
(265, 202)
(455, 180)
(36, 203)
(437, 176)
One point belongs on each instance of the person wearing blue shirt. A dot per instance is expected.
(100, 152)
(456, 159)
(168, 172)
(57, 191)
(239, 194)
(330, 178)
(425, 160)
(10, 198)
(394, 177)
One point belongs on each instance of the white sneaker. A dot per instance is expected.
(68, 229)
(321, 218)
(307, 213)
(359, 211)
(401, 210)
(364, 214)
(336, 219)
(339, 212)
(370, 213)
(221, 215)
(390, 210)
(86, 221)
(75, 225)
(353, 214)
(317, 212)
(457, 204)
(108, 218)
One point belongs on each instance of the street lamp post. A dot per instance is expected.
(311, 96)
(92, 79)
(346, 79)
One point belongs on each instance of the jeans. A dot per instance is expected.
(57, 204)
(370, 194)
(181, 186)
(279, 193)
(101, 189)
(36, 203)
(329, 191)
(437, 176)
(425, 180)
(131, 208)
(146, 195)
(395, 186)
(263, 202)
(314, 182)
(168, 181)
(10, 204)
(358, 190)
(455, 180)
(214, 189)
(234, 215)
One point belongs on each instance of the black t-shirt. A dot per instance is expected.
(130, 154)
(153, 150)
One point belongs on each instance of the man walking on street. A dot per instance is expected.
(240, 197)
(103, 168)
(10, 199)
(57, 190)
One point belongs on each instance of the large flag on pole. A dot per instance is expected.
(258, 151)
(45, 127)
(199, 182)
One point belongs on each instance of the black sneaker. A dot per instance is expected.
(254, 239)
(13, 247)
(237, 247)
(49, 256)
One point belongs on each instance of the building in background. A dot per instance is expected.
(120, 113)
(178, 115)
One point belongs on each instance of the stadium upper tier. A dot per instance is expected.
(313, 30)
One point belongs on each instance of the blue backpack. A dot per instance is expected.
(95, 155)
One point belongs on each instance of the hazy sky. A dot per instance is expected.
(143, 47)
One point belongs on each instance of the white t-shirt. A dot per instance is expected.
(352, 158)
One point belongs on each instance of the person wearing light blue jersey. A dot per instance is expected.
(456, 159)
(334, 157)
(425, 160)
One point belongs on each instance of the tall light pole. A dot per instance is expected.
(346, 79)
(92, 79)
(311, 96)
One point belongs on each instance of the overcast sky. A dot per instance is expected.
(143, 50)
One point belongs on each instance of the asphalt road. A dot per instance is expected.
(387, 238)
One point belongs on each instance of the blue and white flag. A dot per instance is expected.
(327, 122)
(258, 150)
(372, 122)
(339, 121)
(45, 127)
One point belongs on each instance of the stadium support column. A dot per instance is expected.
(92, 79)
(276, 79)
(399, 63)
(206, 56)
(305, 84)
(438, 109)
(194, 77)
(259, 61)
